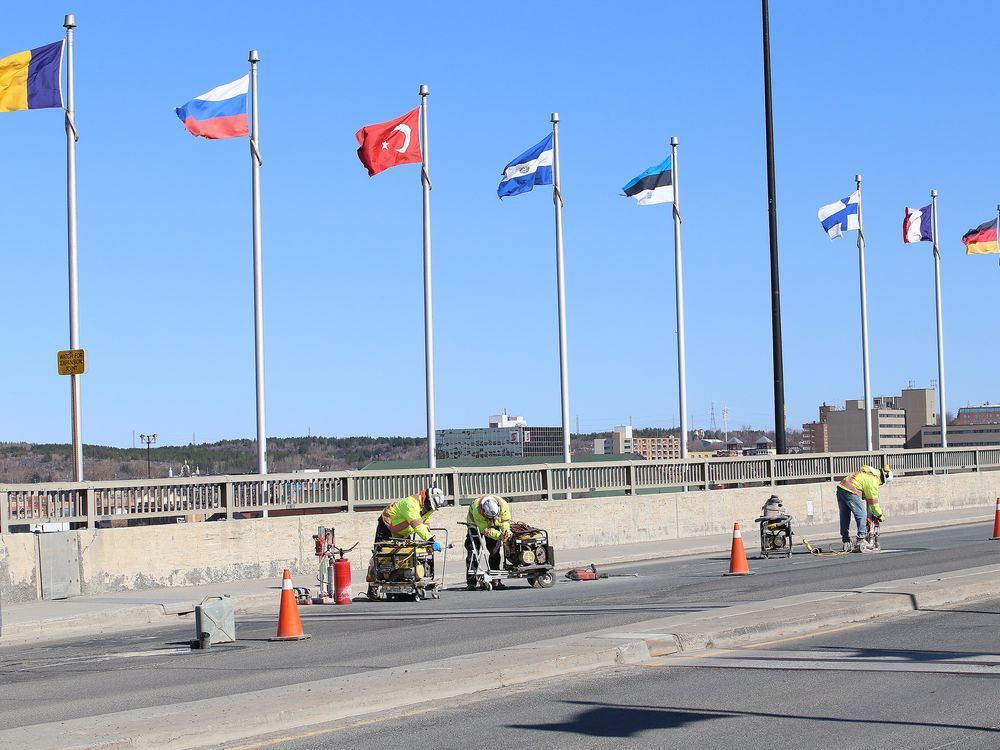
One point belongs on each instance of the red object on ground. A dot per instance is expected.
(388, 144)
(342, 581)
(996, 522)
(289, 624)
(738, 557)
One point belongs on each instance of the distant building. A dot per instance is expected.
(762, 446)
(896, 423)
(622, 440)
(506, 420)
(516, 438)
(972, 415)
(962, 435)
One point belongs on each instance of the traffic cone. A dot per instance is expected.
(996, 523)
(289, 624)
(738, 557)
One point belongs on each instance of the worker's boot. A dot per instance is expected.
(863, 545)
(848, 546)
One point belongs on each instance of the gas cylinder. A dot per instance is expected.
(342, 581)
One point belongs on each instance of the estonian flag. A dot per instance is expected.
(655, 185)
(533, 167)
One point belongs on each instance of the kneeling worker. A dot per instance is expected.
(491, 515)
(408, 518)
(857, 495)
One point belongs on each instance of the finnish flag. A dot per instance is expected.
(840, 216)
(533, 167)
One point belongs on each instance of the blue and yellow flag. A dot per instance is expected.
(32, 79)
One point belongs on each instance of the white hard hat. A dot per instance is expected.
(886, 474)
(435, 498)
(489, 506)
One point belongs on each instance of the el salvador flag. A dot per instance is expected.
(533, 167)
(840, 216)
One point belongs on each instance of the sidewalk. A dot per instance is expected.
(91, 615)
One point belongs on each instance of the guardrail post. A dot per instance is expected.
(349, 491)
(87, 497)
(456, 494)
(228, 499)
(829, 463)
(547, 482)
(933, 463)
(4, 510)
(770, 469)
(629, 478)
(975, 459)
(708, 478)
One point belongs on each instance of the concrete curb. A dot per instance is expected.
(157, 615)
(232, 718)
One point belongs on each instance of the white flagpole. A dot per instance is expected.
(560, 289)
(69, 23)
(425, 180)
(864, 322)
(679, 295)
(943, 410)
(258, 271)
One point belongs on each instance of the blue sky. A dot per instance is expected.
(165, 254)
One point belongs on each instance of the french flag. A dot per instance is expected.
(221, 113)
(917, 225)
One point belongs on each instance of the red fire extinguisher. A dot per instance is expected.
(342, 577)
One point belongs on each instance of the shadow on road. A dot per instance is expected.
(609, 720)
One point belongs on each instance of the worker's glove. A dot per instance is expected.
(881, 518)
(506, 535)
(436, 546)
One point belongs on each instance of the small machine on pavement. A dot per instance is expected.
(872, 528)
(334, 576)
(408, 569)
(775, 529)
(526, 554)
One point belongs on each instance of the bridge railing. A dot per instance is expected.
(97, 504)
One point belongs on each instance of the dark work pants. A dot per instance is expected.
(492, 546)
(382, 531)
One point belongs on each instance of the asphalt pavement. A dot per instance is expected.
(924, 681)
(93, 676)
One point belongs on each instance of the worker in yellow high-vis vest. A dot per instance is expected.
(405, 519)
(857, 495)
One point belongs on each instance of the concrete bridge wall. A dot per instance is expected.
(195, 553)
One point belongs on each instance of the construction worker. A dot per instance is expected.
(407, 518)
(491, 515)
(857, 495)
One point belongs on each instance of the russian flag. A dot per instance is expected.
(221, 113)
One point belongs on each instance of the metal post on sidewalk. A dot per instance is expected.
(679, 296)
(425, 181)
(258, 271)
(864, 321)
(943, 408)
(69, 23)
(557, 200)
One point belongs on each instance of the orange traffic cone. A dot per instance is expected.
(738, 557)
(996, 522)
(289, 624)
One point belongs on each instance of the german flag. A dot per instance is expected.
(982, 240)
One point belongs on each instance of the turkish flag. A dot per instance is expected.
(390, 143)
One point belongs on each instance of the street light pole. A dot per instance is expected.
(148, 440)
(772, 215)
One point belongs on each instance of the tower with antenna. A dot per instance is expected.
(711, 419)
(725, 422)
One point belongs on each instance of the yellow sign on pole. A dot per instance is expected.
(72, 362)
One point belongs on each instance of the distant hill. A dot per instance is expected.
(48, 462)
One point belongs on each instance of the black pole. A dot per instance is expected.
(772, 216)
(149, 472)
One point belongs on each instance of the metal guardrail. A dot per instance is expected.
(96, 504)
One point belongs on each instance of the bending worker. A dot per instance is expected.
(491, 515)
(857, 495)
(407, 518)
